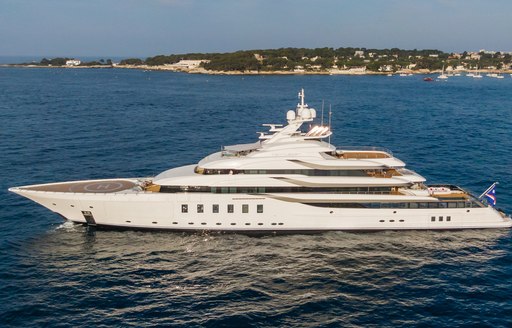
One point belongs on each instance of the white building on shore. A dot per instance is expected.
(188, 63)
(73, 62)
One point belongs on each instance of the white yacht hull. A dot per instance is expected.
(133, 209)
(287, 181)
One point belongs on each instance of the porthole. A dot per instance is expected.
(54, 204)
(233, 223)
(432, 218)
(191, 223)
(247, 223)
(440, 219)
(154, 222)
(382, 220)
(391, 220)
(394, 211)
(203, 223)
(72, 205)
(91, 207)
(280, 223)
(260, 223)
(401, 220)
(273, 223)
(127, 221)
(175, 223)
(218, 223)
(448, 218)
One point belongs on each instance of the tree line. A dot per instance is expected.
(289, 59)
(327, 58)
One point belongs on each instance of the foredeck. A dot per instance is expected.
(94, 186)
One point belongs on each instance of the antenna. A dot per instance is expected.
(322, 120)
(301, 96)
(330, 115)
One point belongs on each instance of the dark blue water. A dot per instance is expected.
(60, 125)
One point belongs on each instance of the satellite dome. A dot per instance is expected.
(290, 115)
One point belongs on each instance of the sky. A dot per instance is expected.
(141, 28)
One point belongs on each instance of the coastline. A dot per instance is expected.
(197, 70)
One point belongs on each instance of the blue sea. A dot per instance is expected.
(65, 124)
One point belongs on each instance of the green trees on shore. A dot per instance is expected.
(61, 61)
(132, 61)
(54, 61)
(317, 59)
(236, 61)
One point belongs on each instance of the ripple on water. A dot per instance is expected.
(54, 273)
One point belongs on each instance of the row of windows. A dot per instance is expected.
(467, 204)
(255, 190)
(215, 208)
(231, 223)
(392, 220)
(440, 218)
(308, 172)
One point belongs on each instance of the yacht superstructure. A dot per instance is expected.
(288, 181)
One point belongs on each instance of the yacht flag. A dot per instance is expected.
(490, 194)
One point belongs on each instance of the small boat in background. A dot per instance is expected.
(428, 79)
(443, 76)
(477, 75)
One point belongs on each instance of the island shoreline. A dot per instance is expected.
(167, 68)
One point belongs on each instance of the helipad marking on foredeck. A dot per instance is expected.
(103, 187)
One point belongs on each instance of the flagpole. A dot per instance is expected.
(485, 192)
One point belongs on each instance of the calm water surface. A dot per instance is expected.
(60, 125)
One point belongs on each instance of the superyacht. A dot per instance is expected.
(290, 180)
